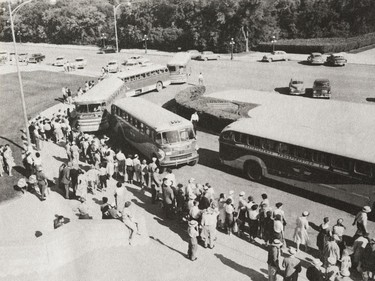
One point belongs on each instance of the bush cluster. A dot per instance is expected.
(321, 45)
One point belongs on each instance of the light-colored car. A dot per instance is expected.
(194, 54)
(336, 59)
(315, 58)
(35, 58)
(296, 87)
(321, 89)
(208, 55)
(136, 60)
(60, 61)
(112, 66)
(80, 62)
(276, 56)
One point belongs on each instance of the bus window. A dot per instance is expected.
(130, 119)
(138, 77)
(268, 144)
(170, 137)
(284, 149)
(158, 139)
(363, 168)
(303, 153)
(147, 131)
(320, 157)
(141, 127)
(148, 74)
(95, 107)
(82, 108)
(172, 68)
(340, 163)
(143, 75)
(187, 134)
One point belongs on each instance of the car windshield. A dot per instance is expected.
(79, 59)
(95, 107)
(322, 83)
(295, 82)
(59, 58)
(112, 63)
(82, 108)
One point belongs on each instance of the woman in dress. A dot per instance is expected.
(110, 163)
(300, 234)
(323, 235)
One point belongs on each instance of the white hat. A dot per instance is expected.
(242, 193)
(191, 180)
(21, 183)
(305, 213)
(366, 209)
(168, 182)
(231, 192)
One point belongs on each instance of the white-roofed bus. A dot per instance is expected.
(178, 67)
(155, 131)
(324, 147)
(143, 79)
(92, 109)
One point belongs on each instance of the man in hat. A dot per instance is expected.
(273, 259)
(368, 261)
(314, 272)
(65, 178)
(209, 222)
(42, 183)
(193, 241)
(292, 266)
(361, 221)
(204, 201)
(168, 198)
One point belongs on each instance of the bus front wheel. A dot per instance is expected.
(193, 163)
(253, 170)
(159, 86)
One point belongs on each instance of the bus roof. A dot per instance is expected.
(152, 114)
(340, 128)
(101, 91)
(181, 58)
(139, 70)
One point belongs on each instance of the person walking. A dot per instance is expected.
(8, 159)
(323, 235)
(82, 185)
(361, 221)
(122, 195)
(65, 179)
(168, 198)
(155, 185)
(195, 119)
(273, 259)
(301, 235)
(193, 240)
(151, 170)
(130, 221)
(200, 79)
(42, 183)
(209, 222)
(292, 266)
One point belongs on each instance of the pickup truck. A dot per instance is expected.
(35, 58)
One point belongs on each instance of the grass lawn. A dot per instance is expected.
(42, 89)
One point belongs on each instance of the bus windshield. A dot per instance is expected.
(172, 137)
(86, 108)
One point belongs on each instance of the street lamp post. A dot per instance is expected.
(103, 39)
(114, 17)
(19, 36)
(231, 47)
(273, 41)
(11, 15)
(145, 38)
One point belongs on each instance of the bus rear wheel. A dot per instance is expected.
(253, 171)
(159, 86)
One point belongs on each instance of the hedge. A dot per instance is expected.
(321, 45)
(211, 119)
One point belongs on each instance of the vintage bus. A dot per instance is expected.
(323, 147)
(139, 80)
(178, 67)
(92, 109)
(155, 131)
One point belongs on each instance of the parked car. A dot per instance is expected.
(35, 58)
(315, 58)
(22, 57)
(136, 60)
(275, 56)
(80, 62)
(336, 59)
(60, 61)
(296, 87)
(107, 49)
(208, 55)
(321, 89)
(112, 66)
(194, 54)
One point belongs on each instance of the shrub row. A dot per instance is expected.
(211, 119)
(322, 45)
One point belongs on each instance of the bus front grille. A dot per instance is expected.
(180, 157)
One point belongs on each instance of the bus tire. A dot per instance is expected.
(159, 86)
(253, 171)
(193, 163)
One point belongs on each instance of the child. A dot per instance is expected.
(346, 262)
(193, 242)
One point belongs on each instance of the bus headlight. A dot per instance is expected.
(168, 153)
(161, 153)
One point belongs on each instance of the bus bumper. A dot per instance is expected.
(175, 162)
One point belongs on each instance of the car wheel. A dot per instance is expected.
(270, 60)
(159, 86)
(205, 59)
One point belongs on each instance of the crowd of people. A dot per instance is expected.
(68, 96)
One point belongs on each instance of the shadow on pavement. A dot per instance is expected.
(253, 274)
(169, 247)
